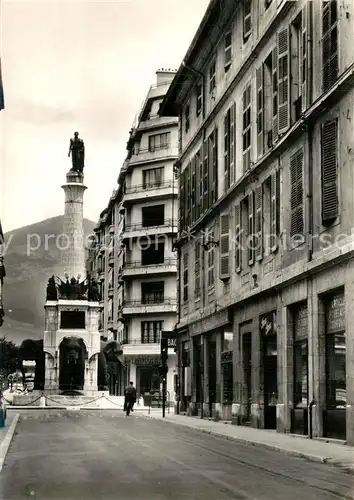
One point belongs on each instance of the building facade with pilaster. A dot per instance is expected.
(264, 99)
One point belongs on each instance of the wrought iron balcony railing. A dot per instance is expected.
(138, 263)
(150, 301)
(140, 226)
(150, 187)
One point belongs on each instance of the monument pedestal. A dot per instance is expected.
(84, 344)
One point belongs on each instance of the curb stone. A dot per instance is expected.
(307, 456)
(4, 446)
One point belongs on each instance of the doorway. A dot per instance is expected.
(270, 361)
(247, 375)
(212, 374)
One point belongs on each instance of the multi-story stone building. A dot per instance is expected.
(148, 269)
(133, 259)
(265, 99)
(104, 259)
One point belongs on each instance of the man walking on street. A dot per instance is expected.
(130, 398)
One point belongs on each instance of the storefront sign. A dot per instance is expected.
(268, 323)
(336, 314)
(210, 323)
(146, 360)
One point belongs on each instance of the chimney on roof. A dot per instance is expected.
(165, 75)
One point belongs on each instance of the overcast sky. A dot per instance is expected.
(78, 65)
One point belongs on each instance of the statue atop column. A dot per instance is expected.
(77, 152)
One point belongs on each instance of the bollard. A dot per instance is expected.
(311, 405)
(2, 416)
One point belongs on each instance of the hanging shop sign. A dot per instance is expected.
(171, 338)
(336, 314)
(212, 322)
(268, 323)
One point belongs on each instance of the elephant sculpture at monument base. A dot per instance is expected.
(32, 350)
(111, 352)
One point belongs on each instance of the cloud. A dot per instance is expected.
(40, 114)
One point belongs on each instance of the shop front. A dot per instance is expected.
(334, 414)
(255, 366)
(207, 341)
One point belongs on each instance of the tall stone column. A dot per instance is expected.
(72, 242)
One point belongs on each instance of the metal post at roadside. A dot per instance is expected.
(163, 371)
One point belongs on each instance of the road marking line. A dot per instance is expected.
(4, 446)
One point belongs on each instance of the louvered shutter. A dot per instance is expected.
(201, 179)
(232, 161)
(296, 195)
(197, 185)
(194, 187)
(205, 176)
(226, 153)
(215, 165)
(329, 44)
(274, 96)
(188, 194)
(260, 111)
(330, 202)
(259, 222)
(224, 246)
(305, 53)
(251, 245)
(238, 237)
(273, 213)
(197, 269)
(181, 202)
(283, 81)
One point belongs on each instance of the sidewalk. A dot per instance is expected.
(6, 435)
(313, 449)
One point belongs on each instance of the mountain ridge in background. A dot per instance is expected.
(27, 275)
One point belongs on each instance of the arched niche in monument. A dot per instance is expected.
(72, 355)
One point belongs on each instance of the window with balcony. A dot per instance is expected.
(153, 216)
(153, 292)
(155, 254)
(153, 177)
(151, 332)
(159, 141)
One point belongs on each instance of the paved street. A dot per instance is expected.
(104, 455)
